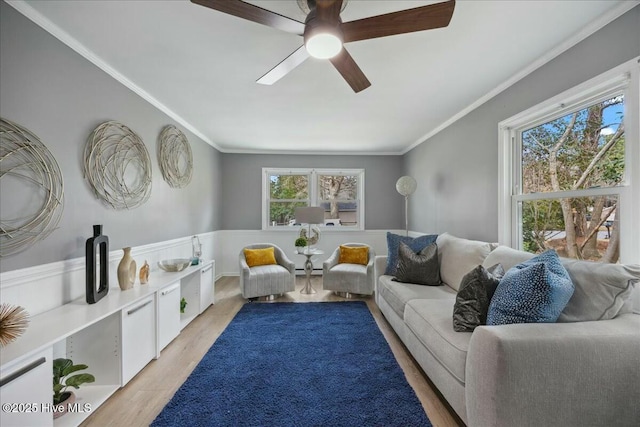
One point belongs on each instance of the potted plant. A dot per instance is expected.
(300, 243)
(183, 305)
(62, 380)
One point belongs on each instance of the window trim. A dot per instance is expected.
(313, 174)
(623, 78)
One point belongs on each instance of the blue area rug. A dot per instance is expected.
(297, 364)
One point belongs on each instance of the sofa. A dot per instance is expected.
(583, 370)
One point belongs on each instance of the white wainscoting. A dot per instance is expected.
(233, 241)
(47, 286)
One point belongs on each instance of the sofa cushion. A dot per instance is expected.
(507, 257)
(393, 243)
(419, 268)
(534, 291)
(398, 294)
(430, 321)
(472, 302)
(601, 290)
(458, 256)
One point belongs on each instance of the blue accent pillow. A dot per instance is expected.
(393, 243)
(535, 291)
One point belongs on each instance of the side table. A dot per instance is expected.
(308, 268)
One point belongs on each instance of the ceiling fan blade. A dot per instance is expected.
(284, 67)
(328, 10)
(254, 13)
(350, 71)
(405, 21)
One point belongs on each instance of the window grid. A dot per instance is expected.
(313, 190)
(621, 81)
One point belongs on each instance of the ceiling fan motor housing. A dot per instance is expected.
(324, 26)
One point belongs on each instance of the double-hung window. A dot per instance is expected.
(570, 172)
(339, 191)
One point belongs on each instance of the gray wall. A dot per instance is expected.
(61, 97)
(457, 169)
(242, 193)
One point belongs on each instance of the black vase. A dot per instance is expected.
(97, 248)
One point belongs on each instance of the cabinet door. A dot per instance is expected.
(138, 337)
(168, 314)
(25, 392)
(206, 286)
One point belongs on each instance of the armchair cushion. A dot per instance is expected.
(354, 255)
(256, 257)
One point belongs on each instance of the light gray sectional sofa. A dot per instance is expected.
(583, 370)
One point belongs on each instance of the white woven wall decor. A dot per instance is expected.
(117, 166)
(32, 179)
(175, 157)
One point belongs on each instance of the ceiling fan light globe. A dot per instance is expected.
(323, 45)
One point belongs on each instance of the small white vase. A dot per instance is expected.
(126, 270)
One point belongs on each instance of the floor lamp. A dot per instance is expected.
(406, 186)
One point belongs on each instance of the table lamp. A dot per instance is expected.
(310, 215)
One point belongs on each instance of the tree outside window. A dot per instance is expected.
(577, 153)
(339, 192)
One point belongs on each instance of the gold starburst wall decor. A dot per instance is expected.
(13, 322)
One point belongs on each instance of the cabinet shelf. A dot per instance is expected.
(115, 337)
(92, 397)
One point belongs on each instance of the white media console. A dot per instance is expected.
(116, 338)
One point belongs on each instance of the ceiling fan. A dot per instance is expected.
(324, 32)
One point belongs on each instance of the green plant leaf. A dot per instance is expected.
(76, 381)
(70, 369)
(59, 365)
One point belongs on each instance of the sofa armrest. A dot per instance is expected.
(381, 265)
(555, 374)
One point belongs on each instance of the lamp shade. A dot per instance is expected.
(406, 185)
(310, 215)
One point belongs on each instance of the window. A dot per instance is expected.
(338, 191)
(569, 172)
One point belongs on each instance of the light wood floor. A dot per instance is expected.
(143, 398)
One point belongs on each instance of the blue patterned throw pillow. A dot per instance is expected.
(535, 291)
(393, 243)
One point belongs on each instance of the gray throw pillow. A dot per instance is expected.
(420, 268)
(472, 301)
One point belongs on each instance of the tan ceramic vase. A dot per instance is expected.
(126, 270)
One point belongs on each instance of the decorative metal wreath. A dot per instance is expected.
(117, 166)
(175, 157)
(31, 171)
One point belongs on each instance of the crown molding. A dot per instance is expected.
(43, 22)
(585, 32)
(25, 9)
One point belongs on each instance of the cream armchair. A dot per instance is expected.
(345, 278)
(267, 280)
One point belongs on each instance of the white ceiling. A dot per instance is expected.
(200, 66)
